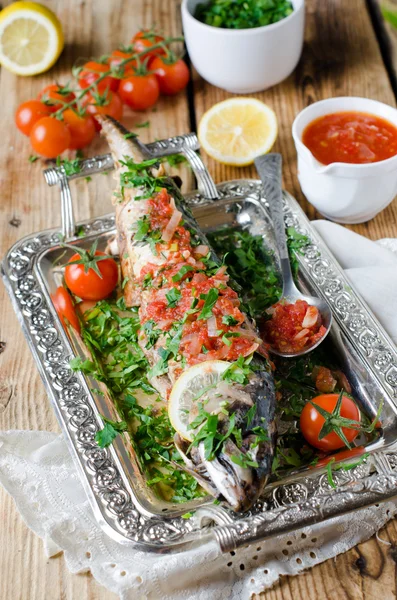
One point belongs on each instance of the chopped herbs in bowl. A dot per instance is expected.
(243, 14)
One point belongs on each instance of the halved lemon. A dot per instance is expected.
(189, 391)
(237, 130)
(31, 38)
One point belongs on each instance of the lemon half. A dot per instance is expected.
(31, 38)
(189, 391)
(237, 130)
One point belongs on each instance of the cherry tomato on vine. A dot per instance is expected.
(91, 274)
(65, 308)
(55, 96)
(92, 71)
(143, 40)
(139, 91)
(28, 113)
(82, 129)
(50, 137)
(117, 56)
(173, 76)
(311, 421)
(108, 103)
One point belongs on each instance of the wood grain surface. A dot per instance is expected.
(341, 57)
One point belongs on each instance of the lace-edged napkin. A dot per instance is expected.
(37, 470)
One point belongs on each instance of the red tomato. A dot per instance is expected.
(311, 422)
(172, 76)
(108, 103)
(89, 286)
(91, 73)
(82, 129)
(353, 453)
(50, 137)
(28, 113)
(55, 96)
(139, 91)
(65, 308)
(145, 39)
(118, 56)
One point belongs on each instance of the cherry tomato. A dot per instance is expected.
(351, 454)
(118, 56)
(50, 137)
(145, 39)
(139, 91)
(65, 308)
(28, 113)
(172, 76)
(108, 103)
(311, 421)
(92, 71)
(89, 286)
(55, 96)
(82, 129)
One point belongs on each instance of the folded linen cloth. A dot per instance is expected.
(37, 470)
(371, 268)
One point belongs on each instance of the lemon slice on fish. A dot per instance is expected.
(189, 392)
(31, 38)
(237, 130)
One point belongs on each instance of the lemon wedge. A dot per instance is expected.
(237, 130)
(31, 38)
(189, 391)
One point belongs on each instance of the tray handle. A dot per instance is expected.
(183, 144)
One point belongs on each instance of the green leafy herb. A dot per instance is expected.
(141, 125)
(71, 167)
(143, 226)
(229, 320)
(173, 297)
(243, 14)
(182, 272)
(110, 431)
(209, 303)
(239, 371)
(175, 159)
(33, 158)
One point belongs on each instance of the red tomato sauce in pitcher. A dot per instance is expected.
(350, 137)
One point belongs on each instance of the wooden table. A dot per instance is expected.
(342, 56)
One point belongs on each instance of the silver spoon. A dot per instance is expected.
(269, 169)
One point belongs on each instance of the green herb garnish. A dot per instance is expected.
(243, 14)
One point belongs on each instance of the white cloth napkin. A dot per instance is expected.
(37, 470)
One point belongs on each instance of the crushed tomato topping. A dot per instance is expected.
(293, 327)
(189, 289)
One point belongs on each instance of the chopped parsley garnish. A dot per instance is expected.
(151, 332)
(142, 228)
(142, 125)
(110, 431)
(173, 297)
(182, 272)
(33, 158)
(229, 320)
(239, 371)
(71, 167)
(138, 175)
(209, 303)
(130, 135)
(242, 14)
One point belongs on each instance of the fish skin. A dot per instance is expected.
(221, 477)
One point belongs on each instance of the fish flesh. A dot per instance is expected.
(191, 313)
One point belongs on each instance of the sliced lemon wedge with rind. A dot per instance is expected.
(237, 130)
(189, 392)
(31, 38)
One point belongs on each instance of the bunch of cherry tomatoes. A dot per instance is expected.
(61, 118)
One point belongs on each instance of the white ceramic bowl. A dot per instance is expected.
(244, 61)
(344, 192)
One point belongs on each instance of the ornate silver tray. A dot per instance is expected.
(123, 504)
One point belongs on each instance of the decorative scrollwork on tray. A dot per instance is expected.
(283, 507)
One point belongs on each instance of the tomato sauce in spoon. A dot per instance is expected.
(350, 137)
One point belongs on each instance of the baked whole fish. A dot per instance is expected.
(204, 353)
